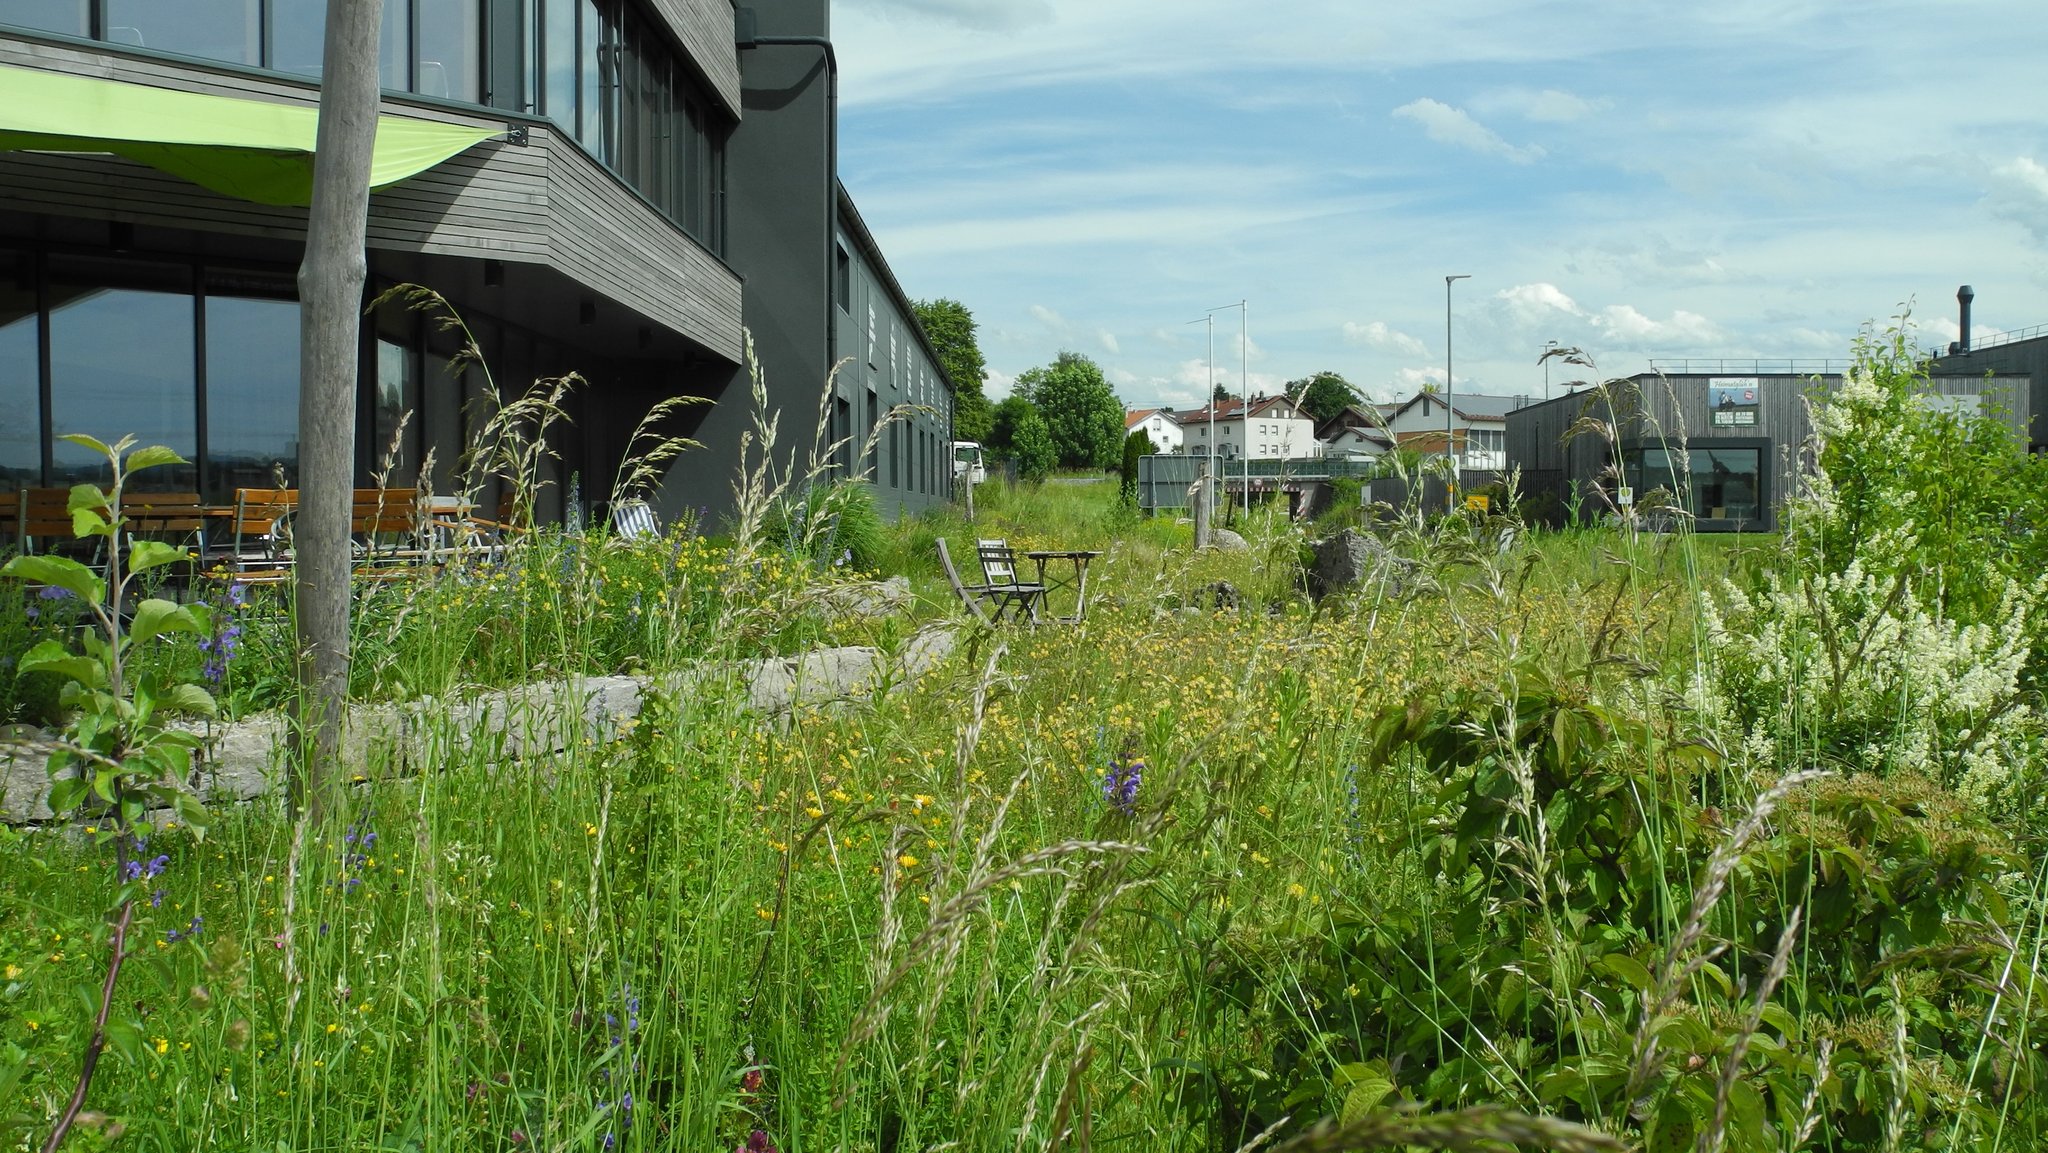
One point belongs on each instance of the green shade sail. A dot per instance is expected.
(248, 149)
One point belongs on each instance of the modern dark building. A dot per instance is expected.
(617, 188)
(2019, 353)
(1737, 428)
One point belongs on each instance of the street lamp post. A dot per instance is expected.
(1450, 387)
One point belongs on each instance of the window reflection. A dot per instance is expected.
(21, 404)
(252, 393)
(1719, 484)
(230, 30)
(69, 17)
(451, 32)
(395, 423)
(121, 363)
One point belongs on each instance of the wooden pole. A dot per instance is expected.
(330, 326)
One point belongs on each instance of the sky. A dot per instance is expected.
(1636, 178)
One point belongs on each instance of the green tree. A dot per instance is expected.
(1219, 394)
(1031, 445)
(950, 327)
(1136, 445)
(1002, 425)
(1080, 410)
(1323, 396)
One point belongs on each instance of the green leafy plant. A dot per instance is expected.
(118, 761)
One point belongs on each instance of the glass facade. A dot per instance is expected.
(21, 390)
(121, 350)
(68, 17)
(205, 359)
(252, 395)
(600, 69)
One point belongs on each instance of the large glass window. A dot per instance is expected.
(1712, 483)
(558, 60)
(121, 363)
(230, 30)
(451, 33)
(394, 421)
(70, 17)
(252, 393)
(21, 390)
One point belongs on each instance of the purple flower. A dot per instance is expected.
(156, 899)
(53, 593)
(1120, 784)
(140, 871)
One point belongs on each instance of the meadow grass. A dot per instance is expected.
(1177, 878)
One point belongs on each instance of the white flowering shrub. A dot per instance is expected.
(1902, 630)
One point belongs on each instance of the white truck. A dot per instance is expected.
(967, 465)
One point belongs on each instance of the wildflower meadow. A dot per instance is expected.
(1595, 838)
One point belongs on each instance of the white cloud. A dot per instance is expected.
(1625, 327)
(1550, 106)
(1533, 303)
(1049, 318)
(996, 384)
(1455, 126)
(1378, 335)
(2019, 193)
(1107, 339)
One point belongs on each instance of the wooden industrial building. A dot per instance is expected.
(1725, 442)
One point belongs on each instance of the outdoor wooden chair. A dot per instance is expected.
(971, 596)
(174, 518)
(259, 529)
(42, 519)
(1011, 597)
(387, 532)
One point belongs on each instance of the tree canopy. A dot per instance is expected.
(1018, 432)
(950, 327)
(1080, 409)
(1323, 396)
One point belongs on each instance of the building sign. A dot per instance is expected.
(1732, 400)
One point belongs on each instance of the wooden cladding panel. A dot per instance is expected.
(705, 28)
(607, 238)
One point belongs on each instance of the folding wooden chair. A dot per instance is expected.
(1020, 599)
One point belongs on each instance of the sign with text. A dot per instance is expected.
(1726, 392)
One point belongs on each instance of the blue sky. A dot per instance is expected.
(1642, 179)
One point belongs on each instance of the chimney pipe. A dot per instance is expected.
(1964, 296)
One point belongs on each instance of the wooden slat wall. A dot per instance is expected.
(705, 28)
(547, 203)
(605, 237)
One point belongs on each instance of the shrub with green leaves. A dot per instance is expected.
(1901, 629)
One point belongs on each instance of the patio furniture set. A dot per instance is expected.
(249, 539)
(1004, 596)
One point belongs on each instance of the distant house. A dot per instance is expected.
(1159, 424)
(1268, 428)
(1355, 432)
(1722, 439)
(1480, 424)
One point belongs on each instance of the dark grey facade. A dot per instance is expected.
(650, 195)
(1726, 440)
(2015, 354)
